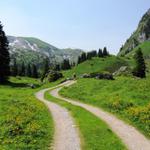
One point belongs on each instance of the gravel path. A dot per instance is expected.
(132, 138)
(66, 135)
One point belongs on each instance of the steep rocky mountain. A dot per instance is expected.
(141, 35)
(32, 50)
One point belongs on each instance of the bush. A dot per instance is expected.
(98, 75)
(141, 116)
(54, 75)
(119, 105)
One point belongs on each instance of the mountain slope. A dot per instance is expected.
(141, 35)
(33, 50)
(145, 47)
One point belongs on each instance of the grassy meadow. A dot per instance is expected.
(109, 64)
(128, 98)
(25, 122)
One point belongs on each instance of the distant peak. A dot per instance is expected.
(148, 12)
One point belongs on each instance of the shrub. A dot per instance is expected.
(141, 116)
(54, 75)
(120, 105)
(104, 75)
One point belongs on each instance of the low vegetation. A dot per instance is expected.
(145, 46)
(54, 76)
(127, 97)
(25, 122)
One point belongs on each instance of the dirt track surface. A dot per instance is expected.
(130, 136)
(66, 135)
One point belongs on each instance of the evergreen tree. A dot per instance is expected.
(22, 71)
(29, 72)
(66, 64)
(34, 71)
(89, 56)
(4, 56)
(79, 60)
(100, 53)
(57, 67)
(140, 69)
(83, 57)
(45, 69)
(105, 52)
(94, 53)
(73, 64)
(14, 68)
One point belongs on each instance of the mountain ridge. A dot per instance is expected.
(140, 35)
(35, 51)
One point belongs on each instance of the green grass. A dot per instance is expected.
(110, 64)
(25, 122)
(145, 46)
(127, 97)
(95, 134)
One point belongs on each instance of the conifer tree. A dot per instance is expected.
(4, 56)
(34, 71)
(29, 72)
(79, 60)
(140, 69)
(66, 64)
(105, 52)
(57, 67)
(94, 53)
(22, 70)
(83, 57)
(89, 56)
(14, 68)
(100, 53)
(45, 69)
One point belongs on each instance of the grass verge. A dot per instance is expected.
(95, 134)
(25, 123)
(126, 97)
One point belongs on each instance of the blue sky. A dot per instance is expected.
(85, 24)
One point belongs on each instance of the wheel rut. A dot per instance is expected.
(132, 138)
(66, 135)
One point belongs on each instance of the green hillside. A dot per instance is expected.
(108, 64)
(141, 34)
(145, 46)
(127, 97)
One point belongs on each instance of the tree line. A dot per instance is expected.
(89, 55)
(31, 70)
(22, 70)
(4, 56)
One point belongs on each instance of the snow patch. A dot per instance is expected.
(33, 47)
(14, 43)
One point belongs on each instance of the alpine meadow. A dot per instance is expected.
(89, 92)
